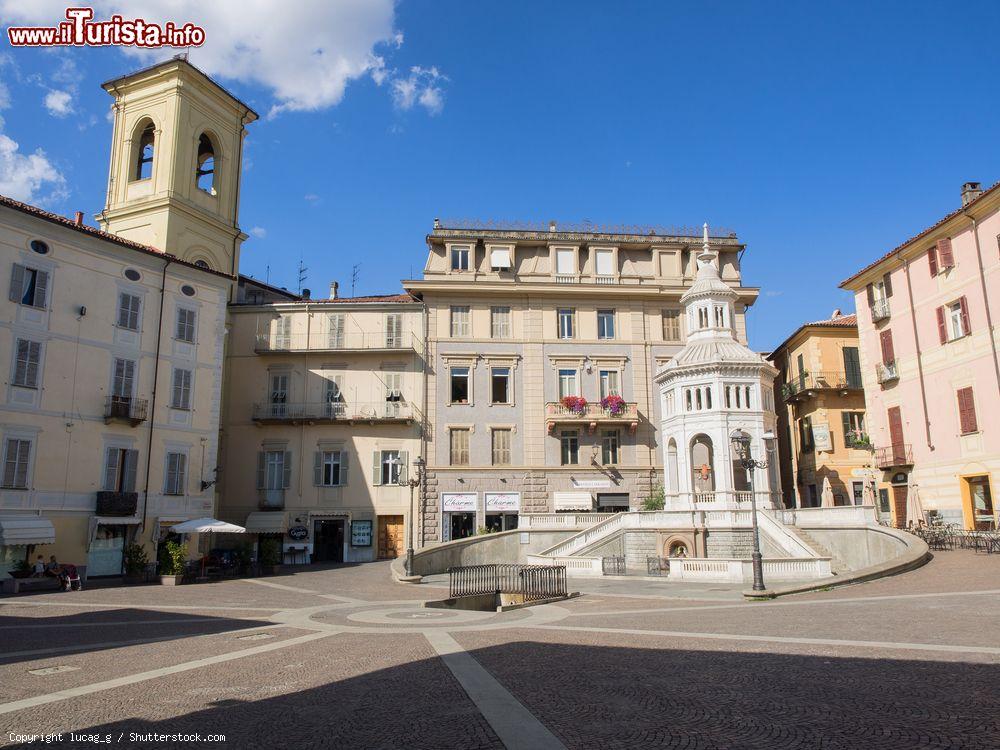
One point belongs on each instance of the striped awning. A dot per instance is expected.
(573, 501)
(266, 522)
(26, 530)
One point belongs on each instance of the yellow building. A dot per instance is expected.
(822, 440)
(110, 416)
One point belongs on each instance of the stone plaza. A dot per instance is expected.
(343, 657)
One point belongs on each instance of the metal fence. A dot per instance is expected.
(534, 582)
(613, 566)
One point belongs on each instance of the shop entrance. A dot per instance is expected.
(980, 513)
(390, 537)
(328, 541)
(104, 558)
(462, 525)
(501, 521)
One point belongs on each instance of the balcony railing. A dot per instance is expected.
(322, 341)
(880, 310)
(334, 411)
(886, 373)
(591, 414)
(117, 503)
(125, 409)
(802, 385)
(271, 499)
(891, 456)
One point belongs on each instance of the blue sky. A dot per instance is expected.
(823, 135)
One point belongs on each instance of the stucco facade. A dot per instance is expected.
(926, 323)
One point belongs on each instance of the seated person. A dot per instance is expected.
(53, 568)
(39, 568)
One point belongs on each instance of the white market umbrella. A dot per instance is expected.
(914, 508)
(206, 526)
(868, 493)
(828, 501)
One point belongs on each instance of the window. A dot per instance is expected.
(566, 261)
(335, 329)
(204, 175)
(501, 447)
(500, 322)
(568, 383)
(181, 389)
(702, 317)
(858, 493)
(854, 428)
(569, 448)
(331, 468)
(393, 393)
(274, 470)
(609, 447)
(888, 351)
(604, 262)
(566, 320)
(132, 275)
(37, 246)
(460, 259)
(500, 258)
(940, 256)
(671, 325)
(460, 321)
(175, 474)
(333, 397)
(609, 383)
(144, 153)
(279, 394)
(953, 320)
(390, 467)
(967, 411)
(17, 454)
(500, 385)
(119, 469)
(123, 379)
(605, 324)
(187, 290)
(28, 286)
(459, 445)
(185, 325)
(805, 434)
(393, 330)
(283, 332)
(460, 385)
(128, 311)
(852, 367)
(27, 363)
(720, 316)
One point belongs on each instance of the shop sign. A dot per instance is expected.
(459, 502)
(591, 484)
(361, 533)
(821, 436)
(503, 501)
(298, 533)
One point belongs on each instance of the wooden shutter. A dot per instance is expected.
(286, 473)
(932, 260)
(318, 469)
(376, 468)
(942, 325)
(131, 458)
(964, 307)
(41, 289)
(870, 290)
(16, 283)
(852, 366)
(895, 426)
(261, 469)
(111, 469)
(845, 417)
(967, 411)
(887, 285)
(344, 456)
(403, 465)
(945, 253)
(888, 354)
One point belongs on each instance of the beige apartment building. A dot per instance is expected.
(822, 437)
(323, 418)
(541, 349)
(112, 400)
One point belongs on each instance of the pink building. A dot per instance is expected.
(928, 342)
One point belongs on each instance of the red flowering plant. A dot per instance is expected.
(576, 404)
(613, 405)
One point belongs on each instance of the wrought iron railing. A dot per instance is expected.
(627, 413)
(126, 408)
(337, 340)
(880, 310)
(365, 411)
(886, 373)
(890, 456)
(116, 503)
(830, 380)
(533, 582)
(613, 566)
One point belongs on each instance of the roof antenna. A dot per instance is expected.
(354, 277)
(303, 275)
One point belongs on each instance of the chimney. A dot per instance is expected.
(971, 191)
(306, 293)
(552, 225)
(334, 286)
(836, 314)
(437, 223)
(79, 216)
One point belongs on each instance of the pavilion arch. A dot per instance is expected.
(143, 150)
(702, 463)
(672, 476)
(208, 159)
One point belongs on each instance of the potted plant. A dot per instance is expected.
(656, 500)
(135, 562)
(614, 405)
(173, 556)
(270, 556)
(575, 404)
(21, 570)
(243, 556)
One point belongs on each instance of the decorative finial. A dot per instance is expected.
(704, 236)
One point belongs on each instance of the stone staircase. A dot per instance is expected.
(837, 565)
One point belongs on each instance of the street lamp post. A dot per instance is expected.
(414, 482)
(741, 446)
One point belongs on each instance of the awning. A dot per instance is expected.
(612, 501)
(573, 501)
(266, 522)
(26, 530)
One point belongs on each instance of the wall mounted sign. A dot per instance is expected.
(503, 501)
(591, 484)
(361, 533)
(298, 533)
(821, 436)
(459, 502)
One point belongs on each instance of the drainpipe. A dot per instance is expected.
(920, 364)
(986, 299)
(236, 206)
(423, 429)
(152, 398)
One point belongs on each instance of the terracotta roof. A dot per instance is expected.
(924, 233)
(398, 298)
(843, 321)
(100, 234)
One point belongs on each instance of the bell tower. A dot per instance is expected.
(176, 160)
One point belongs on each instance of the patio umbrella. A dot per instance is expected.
(914, 508)
(868, 494)
(206, 526)
(828, 501)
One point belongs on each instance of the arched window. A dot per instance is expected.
(702, 465)
(144, 153)
(672, 477)
(201, 263)
(204, 175)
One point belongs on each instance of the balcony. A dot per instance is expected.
(271, 499)
(886, 373)
(325, 341)
(880, 310)
(893, 456)
(593, 415)
(806, 385)
(125, 409)
(117, 503)
(370, 412)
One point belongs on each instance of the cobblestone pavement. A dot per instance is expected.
(342, 657)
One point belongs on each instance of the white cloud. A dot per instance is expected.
(259, 232)
(305, 54)
(59, 103)
(23, 177)
(421, 87)
(311, 198)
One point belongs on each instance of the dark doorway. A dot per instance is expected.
(463, 525)
(328, 541)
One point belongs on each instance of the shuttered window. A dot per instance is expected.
(460, 326)
(459, 438)
(888, 353)
(671, 325)
(185, 325)
(181, 389)
(27, 363)
(28, 286)
(274, 470)
(123, 380)
(946, 258)
(932, 260)
(967, 411)
(393, 330)
(175, 473)
(336, 331)
(129, 306)
(501, 446)
(17, 454)
(119, 469)
(389, 467)
(330, 468)
(500, 322)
